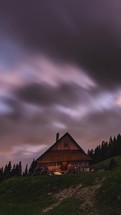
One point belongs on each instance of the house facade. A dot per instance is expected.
(65, 155)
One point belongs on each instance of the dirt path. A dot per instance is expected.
(87, 194)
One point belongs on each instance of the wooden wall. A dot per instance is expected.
(65, 144)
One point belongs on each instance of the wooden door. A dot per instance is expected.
(64, 166)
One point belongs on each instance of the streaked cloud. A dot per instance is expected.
(59, 71)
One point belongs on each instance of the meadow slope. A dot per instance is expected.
(85, 193)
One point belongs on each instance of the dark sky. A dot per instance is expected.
(60, 70)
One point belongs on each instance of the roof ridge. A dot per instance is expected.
(67, 133)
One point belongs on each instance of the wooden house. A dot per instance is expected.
(63, 156)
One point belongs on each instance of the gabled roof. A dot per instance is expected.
(59, 156)
(51, 154)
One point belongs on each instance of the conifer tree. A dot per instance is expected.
(26, 170)
(32, 167)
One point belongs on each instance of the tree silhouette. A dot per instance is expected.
(32, 167)
(26, 170)
(106, 149)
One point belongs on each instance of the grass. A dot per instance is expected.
(69, 206)
(30, 195)
(109, 195)
(104, 164)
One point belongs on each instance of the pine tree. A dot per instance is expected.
(13, 171)
(26, 170)
(32, 167)
(1, 174)
(7, 170)
(19, 168)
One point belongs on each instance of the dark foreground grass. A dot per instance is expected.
(30, 195)
(108, 197)
(103, 165)
(70, 206)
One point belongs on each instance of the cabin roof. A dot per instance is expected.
(63, 155)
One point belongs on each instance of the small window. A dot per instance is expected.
(66, 145)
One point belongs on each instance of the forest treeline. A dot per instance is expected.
(106, 149)
(16, 170)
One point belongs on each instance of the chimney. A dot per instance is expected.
(57, 136)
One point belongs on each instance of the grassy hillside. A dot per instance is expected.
(104, 164)
(108, 197)
(30, 195)
(85, 193)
